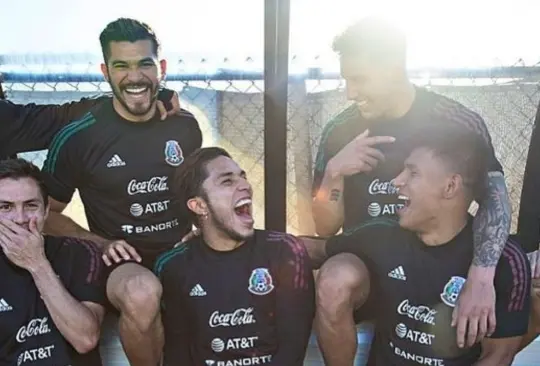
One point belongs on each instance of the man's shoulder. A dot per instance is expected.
(448, 109)
(178, 253)
(75, 132)
(64, 251)
(513, 260)
(351, 114)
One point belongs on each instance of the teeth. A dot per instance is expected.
(242, 202)
(136, 90)
(402, 197)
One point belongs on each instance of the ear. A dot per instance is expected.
(105, 72)
(198, 206)
(454, 185)
(163, 69)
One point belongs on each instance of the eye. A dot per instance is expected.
(32, 206)
(227, 182)
(5, 207)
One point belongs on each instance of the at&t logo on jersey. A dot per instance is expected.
(375, 209)
(219, 345)
(36, 354)
(137, 209)
(238, 317)
(260, 282)
(413, 335)
(152, 185)
(173, 153)
(451, 290)
(419, 313)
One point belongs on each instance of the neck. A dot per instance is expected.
(403, 100)
(121, 110)
(443, 229)
(220, 241)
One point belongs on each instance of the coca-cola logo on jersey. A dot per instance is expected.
(419, 313)
(154, 184)
(378, 187)
(35, 327)
(238, 317)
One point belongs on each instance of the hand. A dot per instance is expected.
(118, 251)
(534, 260)
(175, 106)
(474, 313)
(195, 232)
(359, 156)
(24, 248)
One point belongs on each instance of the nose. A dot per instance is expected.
(19, 216)
(399, 181)
(245, 186)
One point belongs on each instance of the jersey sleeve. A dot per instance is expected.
(367, 240)
(30, 127)
(512, 290)
(175, 314)
(87, 282)
(63, 170)
(295, 300)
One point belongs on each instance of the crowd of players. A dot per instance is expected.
(396, 172)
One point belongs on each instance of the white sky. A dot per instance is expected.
(449, 33)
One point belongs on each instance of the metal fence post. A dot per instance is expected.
(276, 62)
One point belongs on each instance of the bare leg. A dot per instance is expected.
(136, 293)
(342, 286)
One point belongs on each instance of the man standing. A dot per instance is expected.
(420, 266)
(52, 293)
(120, 157)
(31, 127)
(361, 151)
(233, 295)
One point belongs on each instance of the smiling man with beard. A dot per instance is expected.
(233, 295)
(120, 157)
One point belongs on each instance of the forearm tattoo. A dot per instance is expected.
(335, 194)
(491, 225)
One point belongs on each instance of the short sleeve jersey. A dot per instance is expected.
(417, 288)
(371, 195)
(253, 305)
(123, 171)
(28, 335)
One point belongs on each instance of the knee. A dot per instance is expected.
(342, 283)
(535, 309)
(140, 296)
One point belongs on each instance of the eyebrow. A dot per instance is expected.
(144, 60)
(34, 200)
(230, 174)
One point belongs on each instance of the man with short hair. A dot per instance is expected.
(419, 267)
(121, 157)
(52, 294)
(233, 295)
(361, 151)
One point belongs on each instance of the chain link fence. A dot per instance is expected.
(230, 112)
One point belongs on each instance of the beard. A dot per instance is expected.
(220, 225)
(137, 108)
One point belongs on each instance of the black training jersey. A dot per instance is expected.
(417, 287)
(28, 335)
(122, 171)
(250, 306)
(31, 127)
(371, 195)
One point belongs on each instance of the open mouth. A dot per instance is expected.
(405, 202)
(243, 209)
(136, 91)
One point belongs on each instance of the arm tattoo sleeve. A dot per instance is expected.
(492, 223)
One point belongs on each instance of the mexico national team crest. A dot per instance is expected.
(451, 290)
(260, 282)
(173, 153)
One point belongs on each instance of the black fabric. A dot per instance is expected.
(417, 286)
(250, 306)
(28, 335)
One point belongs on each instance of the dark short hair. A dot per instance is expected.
(462, 150)
(126, 30)
(374, 38)
(20, 168)
(190, 176)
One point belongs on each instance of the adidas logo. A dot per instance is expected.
(197, 290)
(115, 161)
(398, 273)
(4, 306)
